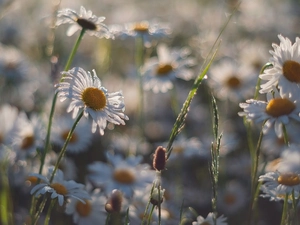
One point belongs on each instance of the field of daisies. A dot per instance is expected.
(149, 112)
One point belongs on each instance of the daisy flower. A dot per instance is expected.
(59, 188)
(84, 20)
(209, 220)
(90, 212)
(80, 139)
(159, 72)
(231, 81)
(85, 91)
(274, 195)
(146, 30)
(277, 111)
(286, 65)
(125, 175)
(283, 183)
(232, 198)
(29, 135)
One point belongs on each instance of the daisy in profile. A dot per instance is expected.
(125, 175)
(84, 20)
(90, 212)
(281, 182)
(59, 187)
(160, 72)
(286, 66)
(146, 30)
(81, 137)
(85, 91)
(276, 111)
(210, 221)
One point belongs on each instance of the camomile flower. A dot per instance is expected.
(276, 111)
(81, 137)
(231, 81)
(84, 20)
(210, 221)
(59, 187)
(276, 196)
(286, 65)
(90, 212)
(147, 30)
(160, 72)
(85, 91)
(125, 175)
(281, 182)
(28, 136)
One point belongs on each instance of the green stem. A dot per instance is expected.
(107, 219)
(284, 210)
(139, 62)
(74, 50)
(47, 140)
(150, 215)
(48, 215)
(64, 148)
(5, 206)
(254, 170)
(285, 135)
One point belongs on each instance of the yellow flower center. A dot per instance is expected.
(31, 180)
(27, 142)
(230, 199)
(233, 82)
(279, 107)
(291, 71)
(289, 179)
(124, 176)
(163, 69)
(59, 188)
(205, 223)
(84, 209)
(73, 138)
(94, 98)
(86, 24)
(141, 27)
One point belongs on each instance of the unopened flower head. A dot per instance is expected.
(85, 91)
(59, 187)
(286, 67)
(84, 20)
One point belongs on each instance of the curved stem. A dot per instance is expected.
(259, 80)
(64, 148)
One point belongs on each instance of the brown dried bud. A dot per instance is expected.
(159, 158)
(114, 203)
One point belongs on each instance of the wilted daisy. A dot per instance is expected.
(277, 111)
(89, 212)
(210, 221)
(85, 91)
(286, 65)
(81, 137)
(146, 30)
(160, 72)
(59, 187)
(275, 195)
(282, 183)
(125, 175)
(84, 20)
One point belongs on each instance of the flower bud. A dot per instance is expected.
(159, 159)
